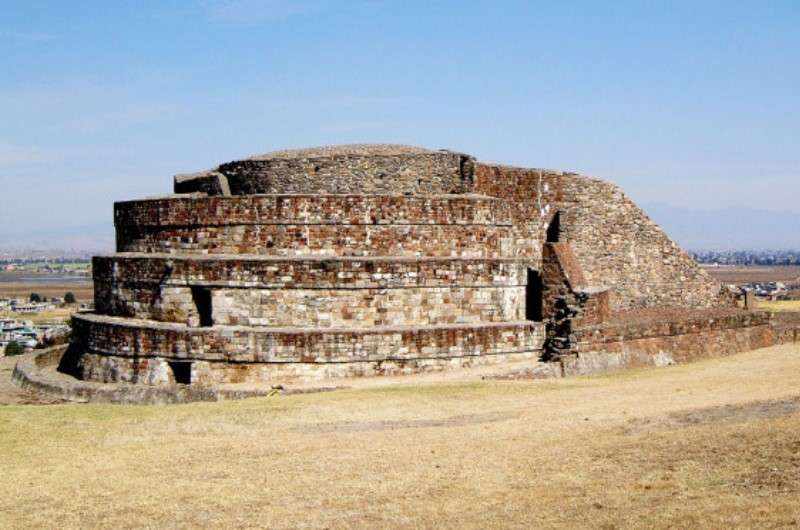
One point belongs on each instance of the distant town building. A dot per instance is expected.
(747, 257)
(32, 307)
(766, 290)
(28, 335)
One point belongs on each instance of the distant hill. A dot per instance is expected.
(728, 228)
(91, 238)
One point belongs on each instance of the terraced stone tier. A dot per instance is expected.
(478, 241)
(328, 225)
(121, 337)
(338, 169)
(629, 326)
(324, 308)
(159, 371)
(351, 292)
(684, 334)
(196, 210)
(269, 272)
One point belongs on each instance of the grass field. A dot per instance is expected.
(714, 444)
(83, 291)
(780, 306)
(60, 313)
(756, 273)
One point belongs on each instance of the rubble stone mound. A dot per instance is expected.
(367, 260)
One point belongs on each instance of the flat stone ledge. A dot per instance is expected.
(309, 259)
(588, 363)
(670, 322)
(272, 272)
(38, 372)
(123, 337)
(377, 330)
(312, 209)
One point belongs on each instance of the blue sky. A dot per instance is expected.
(691, 104)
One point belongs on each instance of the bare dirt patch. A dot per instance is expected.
(741, 274)
(384, 425)
(83, 291)
(711, 415)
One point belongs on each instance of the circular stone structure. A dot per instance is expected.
(360, 260)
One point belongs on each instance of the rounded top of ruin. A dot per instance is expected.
(338, 169)
(329, 151)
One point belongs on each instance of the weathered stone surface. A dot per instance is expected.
(685, 334)
(37, 372)
(368, 260)
(359, 169)
(148, 346)
(468, 241)
(142, 338)
(358, 292)
(183, 210)
(615, 242)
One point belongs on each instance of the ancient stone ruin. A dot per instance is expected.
(381, 259)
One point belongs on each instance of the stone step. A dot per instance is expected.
(453, 240)
(124, 337)
(359, 292)
(308, 272)
(196, 211)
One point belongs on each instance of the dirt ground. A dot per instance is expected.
(83, 291)
(780, 306)
(713, 444)
(738, 275)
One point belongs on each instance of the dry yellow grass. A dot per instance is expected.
(60, 313)
(713, 444)
(83, 291)
(780, 306)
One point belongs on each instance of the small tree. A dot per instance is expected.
(35, 297)
(69, 298)
(14, 348)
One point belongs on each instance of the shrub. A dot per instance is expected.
(69, 298)
(14, 348)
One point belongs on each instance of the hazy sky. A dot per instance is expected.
(692, 104)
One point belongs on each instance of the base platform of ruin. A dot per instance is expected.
(629, 340)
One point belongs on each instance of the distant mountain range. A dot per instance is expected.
(728, 228)
(724, 229)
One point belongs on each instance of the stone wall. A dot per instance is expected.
(467, 226)
(620, 247)
(344, 169)
(208, 374)
(617, 245)
(137, 340)
(356, 292)
(567, 300)
(38, 372)
(326, 240)
(787, 327)
(129, 337)
(304, 273)
(366, 308)
(686, 335)
(307, 209)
